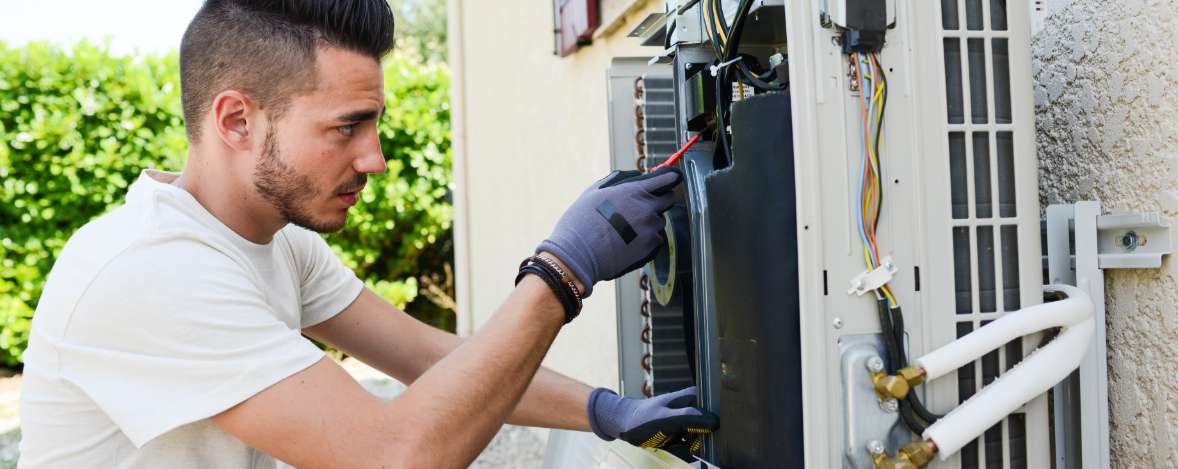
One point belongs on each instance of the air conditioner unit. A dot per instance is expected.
(785, 268)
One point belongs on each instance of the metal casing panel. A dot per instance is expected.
(754, 259)
(917, 226)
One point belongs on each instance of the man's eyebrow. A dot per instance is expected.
(360, 116)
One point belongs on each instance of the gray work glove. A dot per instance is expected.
(615, 226)
(662, 421)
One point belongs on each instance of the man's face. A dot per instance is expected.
(317, 157)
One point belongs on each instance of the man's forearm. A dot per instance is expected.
(553, 400)
(459, 404)
(377, 333)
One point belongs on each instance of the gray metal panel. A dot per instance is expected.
(697, 165)
(917, 225)
(1081, 401)
(1081, 243)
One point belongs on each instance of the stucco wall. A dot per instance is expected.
(535, 135)
(1107, 116)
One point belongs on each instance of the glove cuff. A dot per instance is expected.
(599, 393)
(570, 262)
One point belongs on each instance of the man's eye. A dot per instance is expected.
(346, 130)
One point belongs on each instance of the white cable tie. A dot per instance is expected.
(873, 279)
(716, 68)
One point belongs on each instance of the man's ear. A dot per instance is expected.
(232, 112)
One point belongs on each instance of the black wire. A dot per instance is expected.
(886, 327)
(710, 26)
(920, 409)
(721, 105)
(732, 43)
(733, 46)
(897, 317)
(896, 314)
(683, 8)
(910, 419)
(720, 15)
(737, 29)
(756, 80)
(727, 53)
(908, 412)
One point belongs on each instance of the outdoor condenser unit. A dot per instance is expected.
(863, 166)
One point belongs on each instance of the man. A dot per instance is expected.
(171, 330)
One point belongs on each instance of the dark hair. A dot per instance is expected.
(266, 48)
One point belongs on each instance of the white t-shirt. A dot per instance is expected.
(156, 317)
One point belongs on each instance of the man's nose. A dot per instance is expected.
(372, 159)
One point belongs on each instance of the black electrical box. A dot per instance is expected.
(700, 100)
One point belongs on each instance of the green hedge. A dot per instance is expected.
(78, 124)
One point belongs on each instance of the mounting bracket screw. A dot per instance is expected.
(889, 405)
(875, 447)
(875, 364)
(838, 323)
(1129, 240)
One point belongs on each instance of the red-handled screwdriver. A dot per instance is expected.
(679, 154)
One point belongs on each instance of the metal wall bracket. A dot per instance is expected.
(1081, 243)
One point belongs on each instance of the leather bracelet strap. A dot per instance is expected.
(567, 301)
(553, 266)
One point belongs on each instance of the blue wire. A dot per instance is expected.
(862, 169)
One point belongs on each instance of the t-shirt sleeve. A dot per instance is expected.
(327, 286)
(174, 332)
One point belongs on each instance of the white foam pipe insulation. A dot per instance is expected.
(1033, 376)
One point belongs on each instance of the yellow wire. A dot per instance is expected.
(878, 118)
(888, 293)
(709, 11)
(874, 180)
(716, 24)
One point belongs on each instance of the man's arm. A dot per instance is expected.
(321, 417)
(379, 334)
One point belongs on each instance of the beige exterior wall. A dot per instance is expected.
(1107, 111)
(531, 132)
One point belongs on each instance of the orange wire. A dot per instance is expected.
(872, 161)
(868, 171)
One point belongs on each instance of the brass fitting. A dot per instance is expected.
(887, 386)
(920, 452)
(898, 385)
(914, 455)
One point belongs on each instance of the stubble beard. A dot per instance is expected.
(288, 191)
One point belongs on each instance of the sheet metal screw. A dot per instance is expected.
(875, 364)
(838, 323)
(889, 405)
(874, 447)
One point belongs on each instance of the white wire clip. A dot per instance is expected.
(873, 279)
(716, 68)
